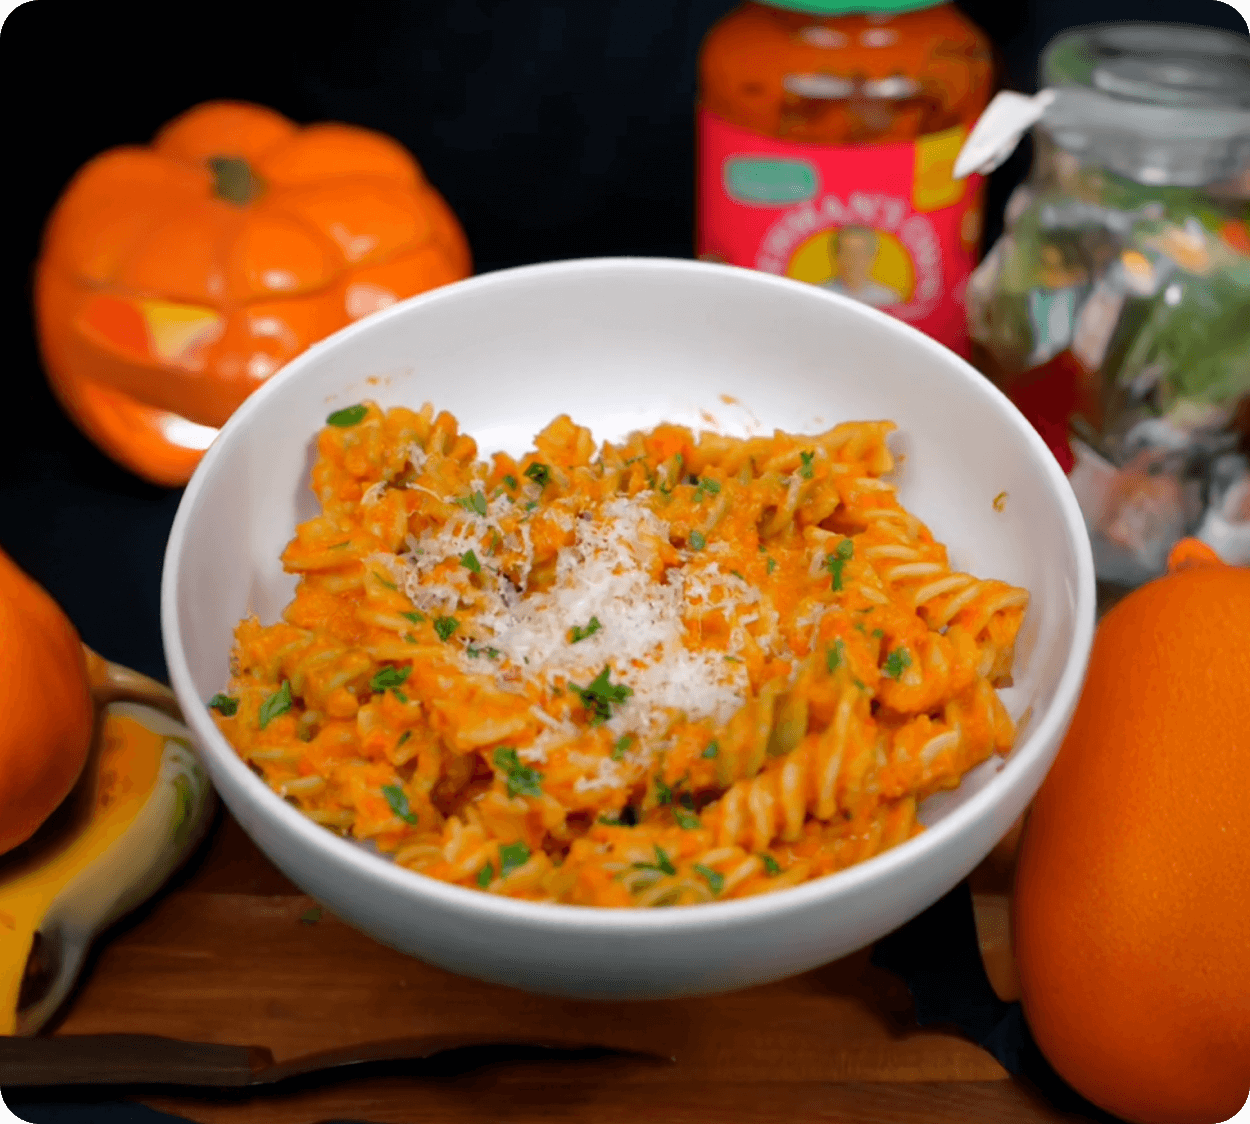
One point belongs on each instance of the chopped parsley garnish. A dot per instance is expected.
(401, 696)
(733, 659)
(697, 541)
(599, 697)
(539, 473)
(663, 793)
(835, 656)
(771, 866)
(609, 821)
(384, 581)
(737, 575)
(489, 653)
(662, 862)
(277, 703)
(511, 481)
(712, 749)
(897, 662)
(806, 470)
(622, 744)
(403, 738)
(226, 705)
(521, 779)
(469, 561)
(486, 875)
(445, 626)
(511, 856)
(877, 634)
(340, 545)
(687, 821)
(835, 561)
(714, 879)
(531, 505)
(706, 487)
(348, 416)
(310, 916)
(772, 565)
(389, 677)
(475, 502)
(398, 800)
(416, 618)
(580, 633)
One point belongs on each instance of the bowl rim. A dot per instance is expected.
(600, 920)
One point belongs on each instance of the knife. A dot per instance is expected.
(140, 1059)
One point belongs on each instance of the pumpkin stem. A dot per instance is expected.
(234, 181)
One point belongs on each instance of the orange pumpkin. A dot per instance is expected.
(175, 279)
(45, 700)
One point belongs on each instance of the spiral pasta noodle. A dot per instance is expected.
(668, 671)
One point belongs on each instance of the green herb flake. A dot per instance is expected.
(416, 618)
(539, 473)
(706, 487)
(714, 879)
(225, 705)
(806, 470)
(398, 800)
(277, 703)
(403, 738)
(733, 659)
(737, 575)
(340, 545)
(877, 634)
(531, 505)
(520, 779)
(687, 821)
(771, 866)
(348, 416)
(310, 916)
(511, 481)
(663, 793)
(621, 745)
(512, 856)
(835, 561)
(469, 561)
(599, 696)
(697, 541)
(389, 677)
(401, 696)
(772, 565)
(609, 821)
(835, 656)
(578, 633)
(486, 875)
(662, 862)
(711, 750)
(897, 662)
(445, 626)
(384, 581)
(410, 639)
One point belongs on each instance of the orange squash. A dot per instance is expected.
(46, 704)
(1131, 913)
(175, 279)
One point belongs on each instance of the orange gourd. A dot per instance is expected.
(1131, 908)
(175, 279)
(45, 704)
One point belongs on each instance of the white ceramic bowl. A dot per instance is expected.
(620, 344)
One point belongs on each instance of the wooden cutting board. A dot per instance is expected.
(233, 953)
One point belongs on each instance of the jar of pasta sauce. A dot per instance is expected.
(827, 136)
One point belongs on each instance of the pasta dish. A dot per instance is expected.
(679, 669)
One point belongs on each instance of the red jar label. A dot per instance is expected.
(883, 223)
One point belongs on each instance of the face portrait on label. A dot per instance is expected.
(853, 251)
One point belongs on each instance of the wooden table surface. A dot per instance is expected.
(231, 952)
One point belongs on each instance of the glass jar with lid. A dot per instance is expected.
(1115, 310)
(827, 135)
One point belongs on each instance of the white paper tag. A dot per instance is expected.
(998, 130)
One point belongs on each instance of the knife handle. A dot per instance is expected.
(124, 1059)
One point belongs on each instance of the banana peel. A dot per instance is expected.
(140, 807)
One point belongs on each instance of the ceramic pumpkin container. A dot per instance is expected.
(175, 279)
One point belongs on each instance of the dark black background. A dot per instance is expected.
(555, 129)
